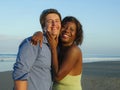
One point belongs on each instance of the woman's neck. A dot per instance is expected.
(67, 44)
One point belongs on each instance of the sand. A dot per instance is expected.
(101, 76)
(96, 76)
(6, 82)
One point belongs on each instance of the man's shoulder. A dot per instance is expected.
(26, 40)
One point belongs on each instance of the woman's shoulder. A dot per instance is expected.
(74, 49)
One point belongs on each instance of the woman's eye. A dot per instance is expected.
(71, 29)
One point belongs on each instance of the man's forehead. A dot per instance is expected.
(52, 16)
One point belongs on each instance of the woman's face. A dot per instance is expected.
(68, 33)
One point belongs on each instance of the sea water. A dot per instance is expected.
(7, 60)
(97, 58)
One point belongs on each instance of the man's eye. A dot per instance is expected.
(57, 21)
(49, 21)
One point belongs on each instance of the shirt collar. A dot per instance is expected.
(45, 38)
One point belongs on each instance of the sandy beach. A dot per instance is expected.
(6, 82)
(96, 76)
(101, 76)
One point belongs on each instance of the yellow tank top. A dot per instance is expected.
(68, 83)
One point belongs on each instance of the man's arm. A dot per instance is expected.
(26, 57)
(20, 85)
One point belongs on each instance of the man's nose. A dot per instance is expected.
(54, 22)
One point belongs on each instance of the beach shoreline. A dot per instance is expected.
(103, 75)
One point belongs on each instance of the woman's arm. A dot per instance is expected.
(69, 61)
(37, 38)
(53, 42)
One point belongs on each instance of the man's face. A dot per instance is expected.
(53, 24)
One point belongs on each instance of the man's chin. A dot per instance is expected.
(55, 34)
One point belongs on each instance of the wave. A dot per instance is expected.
(7, 57)
(88, 58)
(96, 59)
(7, 60)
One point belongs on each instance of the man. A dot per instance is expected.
(32, 70)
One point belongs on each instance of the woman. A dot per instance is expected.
(67, 61)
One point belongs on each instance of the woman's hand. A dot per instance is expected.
(53, 40)
(37, 38)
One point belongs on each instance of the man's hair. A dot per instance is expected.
(45, 13)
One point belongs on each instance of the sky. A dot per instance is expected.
(100, 20)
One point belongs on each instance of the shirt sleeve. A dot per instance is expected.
(26, 57)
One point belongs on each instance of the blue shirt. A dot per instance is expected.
(33, 63)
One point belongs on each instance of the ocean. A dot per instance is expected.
(7, 60)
